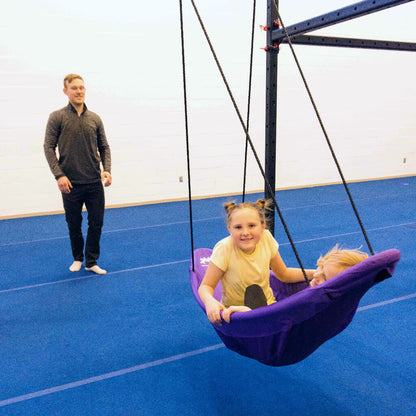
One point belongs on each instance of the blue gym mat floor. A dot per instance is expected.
(135, 342)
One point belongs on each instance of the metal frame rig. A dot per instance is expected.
(299, 34)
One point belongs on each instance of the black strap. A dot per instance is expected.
(185, 101)
(250, 142)
(253, 22)
(324, 130)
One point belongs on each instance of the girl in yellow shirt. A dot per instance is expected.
(242, 261)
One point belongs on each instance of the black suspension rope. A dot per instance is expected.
(249, 97)
(187, 134)
(323, 130)
(248, 139)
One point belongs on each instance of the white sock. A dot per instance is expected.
(96, 269)
(75, 266)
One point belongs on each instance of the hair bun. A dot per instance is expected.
(229, 205)
(261, 203)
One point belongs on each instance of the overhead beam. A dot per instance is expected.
(352, 43)
(337, 16)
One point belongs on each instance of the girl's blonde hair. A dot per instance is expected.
(344, 258)
(261, 206)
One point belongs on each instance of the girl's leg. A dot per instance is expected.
(254, 297)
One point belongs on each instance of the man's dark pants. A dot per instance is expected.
(92, 195)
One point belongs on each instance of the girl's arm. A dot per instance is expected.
(226, 315)
(288, 274)
(206, 293)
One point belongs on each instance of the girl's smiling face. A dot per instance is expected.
(246, 229)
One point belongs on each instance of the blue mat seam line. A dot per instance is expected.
(144, 366)
(91, 275)
(184, 222)
(108, 375)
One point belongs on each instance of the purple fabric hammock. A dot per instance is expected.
(303, 318)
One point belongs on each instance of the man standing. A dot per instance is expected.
(80, 137)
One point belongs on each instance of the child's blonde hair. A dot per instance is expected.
(261, 206)
(345, 258)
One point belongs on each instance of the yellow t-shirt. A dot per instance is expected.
(242, 270)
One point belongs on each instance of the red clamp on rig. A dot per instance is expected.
(275, 46)
(276, 24)
(268, 48)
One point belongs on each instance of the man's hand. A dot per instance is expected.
(106, 178)
(64, 185)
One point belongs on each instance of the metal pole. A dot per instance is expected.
(271, 107)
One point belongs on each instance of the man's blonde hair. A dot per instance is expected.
(345, 258)
(70, 77)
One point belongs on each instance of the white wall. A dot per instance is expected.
(129, 55)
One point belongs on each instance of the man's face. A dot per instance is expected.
(75, 92)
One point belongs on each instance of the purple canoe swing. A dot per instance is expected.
(304, 317)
